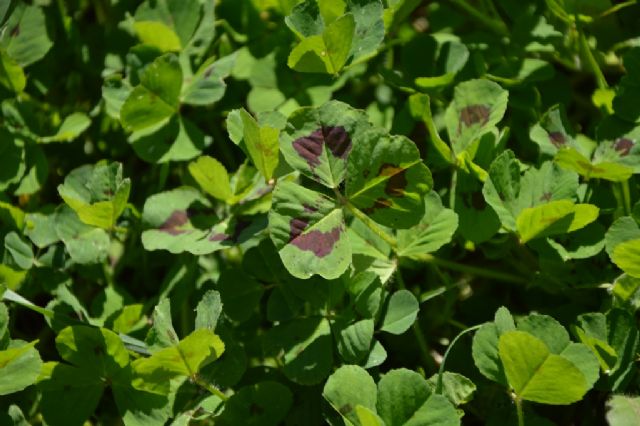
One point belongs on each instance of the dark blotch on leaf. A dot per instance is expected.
(296, 227)
(474, 114)
(397, 181)
(346, 409)
(309, 208)
(310, 147)
(177, 219)
(557, 139)
(15, 31)
(208, 72)
(475, 200)
(218, 237)
(320, 243)
(546, 197)
(337, 140)
(623, 146)
(255, 409)
(379, 203)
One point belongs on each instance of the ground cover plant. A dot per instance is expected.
(307, 212)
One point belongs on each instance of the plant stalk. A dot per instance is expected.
(472, 270)
(519, 412)
(495, 25)
(446, 354)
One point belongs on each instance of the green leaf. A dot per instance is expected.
(626, 256)
(240, 300)
(434, 230)
(537, 375)
(264, 404)
(25, 38)
(477, 106)
(261, 143)
(98, 194)
(556, 217)
(69, 395)
(20, 366)
(84, 243)
(318, 141)
(207, 85)
(156, 98)
(327, 52)
(571, 159)
(181, 16)
(72, 126)
(354, 340)
(348, 387)
(485, 346)
(95, 350)
(401, 312)
(180, 221)
(387, 179)
(212, 177)
(12, 166)
(457, 388)
(20, 251)
(208, 310)
(622, 410)
(11, 74)
(158, 35)
(306, 347)
(185, 358)
(401, 393)
(369, 31)
(309, 232)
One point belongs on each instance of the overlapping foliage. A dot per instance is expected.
(300, 212)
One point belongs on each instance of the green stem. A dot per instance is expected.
(452, 189)
(519, 412)
(472, 270)
(427, 359)
(591, 60)
(626, 196)
(446, 354)
(494, 25)
(209, 387)
(367, 221)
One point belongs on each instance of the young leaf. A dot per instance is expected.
(556, 217)
(98, 194)
(261, 143)
(434, 230)
(327, 52)
(212, 177)
(348, 387)
(25, 38)
(477, 106)
(401, 312)
(156, 98)
(85, 243)
(20, 366)
(309, 232)
(207, 86)
(537, 375)
(11, 74)
(622, 410)
(401, 393)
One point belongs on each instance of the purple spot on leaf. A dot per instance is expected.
(178, 218)
(623, 146)
(557, 139)
(320, 243)
(309, 208)
(337, 140)
(296, 227)
(379, 203)
(397, 181)
(474, 114)
(218, 237)
(310, 147)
